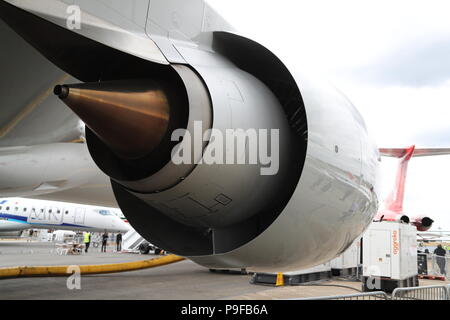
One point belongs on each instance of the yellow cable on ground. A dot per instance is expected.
(17, 272)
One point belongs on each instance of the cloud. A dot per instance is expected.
(400, 116)
(391, 58)
(422, 62)
(433, 138)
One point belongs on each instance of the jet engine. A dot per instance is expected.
(231, 158)
(422, 223)
(387, 215)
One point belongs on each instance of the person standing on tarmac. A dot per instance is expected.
(104, 241)
(87, 241)
(119, 242)
(440, 258)
(30, 234)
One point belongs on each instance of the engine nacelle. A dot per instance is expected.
(303, 207)
(422, 223)
(231, 159)
(387, 215)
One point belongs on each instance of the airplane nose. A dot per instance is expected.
(124, 226)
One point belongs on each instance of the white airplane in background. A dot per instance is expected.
(436, 235)
(18, 214)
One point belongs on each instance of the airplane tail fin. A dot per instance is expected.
(394, 201)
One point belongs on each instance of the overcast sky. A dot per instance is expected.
(391, 58)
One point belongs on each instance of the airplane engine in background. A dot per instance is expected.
(393, 216)
(422, 223)
(301, 185)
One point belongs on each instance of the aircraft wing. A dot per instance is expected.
(30, 113)
(42, 150)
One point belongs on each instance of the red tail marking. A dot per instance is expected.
(394, 201)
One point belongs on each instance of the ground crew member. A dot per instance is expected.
(440, 258)
(30, 235)
(119, 242)
(87, 241)
(104, 241)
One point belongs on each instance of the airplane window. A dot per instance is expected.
(58, 211)
(16, 208)
(104, 212)
(0, 207)
(24, 209)
(50, 211)
(67, 212)
(7, 208)
(42, 210)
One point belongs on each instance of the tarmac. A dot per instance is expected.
(23, 253)
(180, 281)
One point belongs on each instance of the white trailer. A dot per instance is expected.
(348, 263)
(389, 256)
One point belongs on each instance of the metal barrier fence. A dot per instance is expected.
(439, 266)
(413, 293)
(422, 293)
(434, 265)
(376, 295)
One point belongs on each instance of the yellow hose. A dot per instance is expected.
(17, 272)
